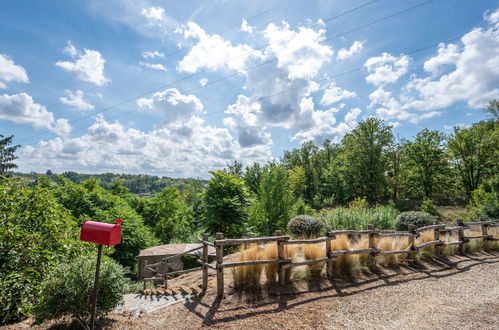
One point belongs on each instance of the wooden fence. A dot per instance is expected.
(330, 255)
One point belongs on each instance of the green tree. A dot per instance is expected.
(7, 154)
(253, 176)
(274, 201)
(493, 108)
(426, 163)
(474, 153)
(297, 181)
(365, 159)
(225, 202)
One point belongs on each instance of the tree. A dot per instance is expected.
(474, 153)
(274, 201)
(396, 169)
(7, 154)
(365, 159)
(225, 202)
(252, 177)
(493, 108)
(426, 162)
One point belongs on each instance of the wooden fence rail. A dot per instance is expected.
(284, 263)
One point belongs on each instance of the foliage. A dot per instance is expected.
(426, 163)
(35, 233)
(485, 200)
(7, 154)
(273, 205)
(382, 217)
(420, 219)
(68, 289)
(305, 226)
(225, 202)
(358, 203)
(428, 207)
(493, 108)
(252, 177)
(365, 159)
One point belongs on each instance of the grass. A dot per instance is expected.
(343, 265)
(391, 244)
(381, 216)
(314, 251)
(247, 276)
(426, 236)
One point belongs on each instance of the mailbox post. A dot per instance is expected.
(102, 234)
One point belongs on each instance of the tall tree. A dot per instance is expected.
(7, 154)
(474, 152)
(365, 158)
(225, 202)
(426, 162)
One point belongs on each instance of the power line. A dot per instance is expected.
(227, 61)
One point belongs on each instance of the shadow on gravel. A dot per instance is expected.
(283, 298)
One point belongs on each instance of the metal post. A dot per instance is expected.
(96, 284)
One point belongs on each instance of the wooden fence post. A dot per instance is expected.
(144, 275)
(484, 232)
(372, 245)
(437, 249)
(412, 256)
(280, 255)
(460, 236)
(205, 259)
(220, 259)
(329, 263)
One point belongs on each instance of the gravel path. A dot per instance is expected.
(461, 293)
(138, 304)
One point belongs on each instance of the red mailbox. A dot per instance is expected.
(101, 233)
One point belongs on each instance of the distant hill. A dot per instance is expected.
(136, 183)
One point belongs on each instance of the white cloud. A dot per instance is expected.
(203, 81)
(88, 66)
(70, 49)
(154, 13)
(221, 52)
(333, 94)
(492, 17)
(9, 71)
(76, 100)
(472, 75)
(152, 54)
(386, 68)
(172, 105)
(154, 66)
(343, 53)
(21, 109)
(246, 28)
(190, 150)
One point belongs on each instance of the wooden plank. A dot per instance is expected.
(397, 233)
(452, 243)
(281, 273)
(184, 271)
(207, 265)
(437, 249)
(486, 236)
(350, 232)
(460, 237)
(329, 263)
(204, 263)
(372, 245)
(220, 259)
(183, 253)
(309, 241)
(306, 262)
(412, 229)
(398, 252)
(478, 223)
(431, 243)
(439, 226)
(251, 240)
(346, 252)
(205, 241)
(254, 262)
(476, 236)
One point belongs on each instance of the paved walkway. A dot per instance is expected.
(138, 304)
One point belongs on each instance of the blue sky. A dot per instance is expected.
(179, 88)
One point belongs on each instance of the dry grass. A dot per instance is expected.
(392, 244)
(494, 232)
(247, 276)
(314, 251)
(268, 252)
(450, 237)
(343, 264)
(426, 236)
(474, 245)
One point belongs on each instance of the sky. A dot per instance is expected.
(181, 88)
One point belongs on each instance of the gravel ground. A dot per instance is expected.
(460, 292)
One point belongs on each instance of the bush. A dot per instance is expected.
(304, 226)
(358, 203)
(428, 207)
(420, 219)
(382, 217)
(68, 288)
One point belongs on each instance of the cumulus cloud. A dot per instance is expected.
(172, 105)
(386, 69)
(76, 100)
(203, 81)
(344, 53)
(333, 94)
(154, 66)
(20, 108)
(88, 66)
(111, 147)
(246, 28)
(152, 54)
(9, 71)
(153, 13)
(492, 17)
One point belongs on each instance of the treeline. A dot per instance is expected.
(135, 183)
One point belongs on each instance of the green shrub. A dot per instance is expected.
(428, 207)
(305, 226)
(381, 216)
(68, 288)
(485, 200)
(420, 219)
(358, 203)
